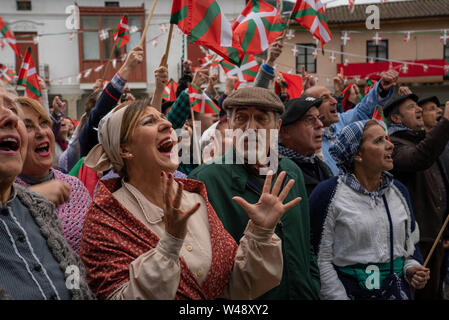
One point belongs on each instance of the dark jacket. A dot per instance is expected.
(300, 278)
(417, 165)
(88, 137)
(313, 172)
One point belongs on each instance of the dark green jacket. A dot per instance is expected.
(300, 278)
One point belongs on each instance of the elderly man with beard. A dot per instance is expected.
(417, 165)
(257, 111)
(300, 138)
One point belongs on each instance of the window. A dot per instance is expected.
(379, 51)
(23, 5)
(112, 4)
(305, 58)
(91, 41)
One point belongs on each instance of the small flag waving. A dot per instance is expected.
(28, 76)
(293, 85)
(247, 72)
(211, 59)
(9, 37)
(170, 91)
(379, 115)
(6, 74)
(200, 102)
(121, 33)
(206, 25)
(310, 14)
(257, 27)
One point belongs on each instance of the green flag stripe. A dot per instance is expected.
(249, 35)
(4, 30)
(256, 5)
(213, 106)
(180, 15)
(30, 87)
(308, 12)
(204, 25)
(250, 73)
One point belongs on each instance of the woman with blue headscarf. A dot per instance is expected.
(363, 229)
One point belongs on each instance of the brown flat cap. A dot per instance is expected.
(254, 97)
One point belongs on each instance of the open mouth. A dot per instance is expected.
(166, 145)
(9, 144)
(388, 157)
(43, 149)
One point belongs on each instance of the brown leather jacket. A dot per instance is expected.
(418, 166)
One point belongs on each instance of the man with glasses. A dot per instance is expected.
(334, 122)
(300, 138)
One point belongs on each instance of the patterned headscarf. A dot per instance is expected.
(347, 144)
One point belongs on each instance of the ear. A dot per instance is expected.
(396, 118)
(279, 124)
(125, 153)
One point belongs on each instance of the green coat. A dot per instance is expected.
(300, 278)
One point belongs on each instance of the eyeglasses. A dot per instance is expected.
(312, 121)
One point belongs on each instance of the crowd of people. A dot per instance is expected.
(107, 207)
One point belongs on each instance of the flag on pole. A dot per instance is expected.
(6, 74)
(170, 91)
(310, 14)
(200, 102)
(257, 27)
(247, 72)
(28, 77)
(379, 115)
(121, 33)
(293, 84)
(9, 37)
(205, 24)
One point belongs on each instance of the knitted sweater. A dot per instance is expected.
(44, 215)
(71, 213)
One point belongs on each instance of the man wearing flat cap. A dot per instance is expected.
(301, 136)
(258, 110)
(417, 165)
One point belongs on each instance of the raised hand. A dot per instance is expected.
(339, 83)
(308, 79)
(135, 57)
(267, 212)
(54, 190)
(402, 91)
(175, 219)
(389, 79)
(201, 76)
(274, 51)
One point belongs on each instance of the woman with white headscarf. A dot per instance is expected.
(149, 236)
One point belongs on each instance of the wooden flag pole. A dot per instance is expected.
(436, 241)
(147, 23)
(195, 140)
(167, 48)
(109, 60)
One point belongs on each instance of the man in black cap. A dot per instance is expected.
(431, 111)
(300, 138)
(417, 165)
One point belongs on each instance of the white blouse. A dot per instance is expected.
(156, 273)
(355, 232)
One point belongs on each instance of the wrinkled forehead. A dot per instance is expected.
(251, 110)
(407, 104)
(7, 98)
(429, 105)
(318, 91)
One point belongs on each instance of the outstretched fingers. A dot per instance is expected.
(286, 190)
(242, 202)
(292, 203)
(267, 184)
(277, 185)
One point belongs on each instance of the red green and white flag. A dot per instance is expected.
(206, 25)
(292, 83)
(212, 59)
(310, 14)
(257, 27)
(121, 33)
(170, 91)
(379, 115)
(6, 74)
(247, 72)
(446, 67)
(9, 37)
(28, 76)
(200, 102)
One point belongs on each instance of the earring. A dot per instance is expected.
(131, 155)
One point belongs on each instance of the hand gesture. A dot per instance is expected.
(389, 79)
(308, 80)
(418, 276)
(54, 190)
(175, 219)
(267, 212)
(201, 76)
(404, 91)
(58, 105)
(135, 57)
(230, 84)
(274, 51)
(42, 83)
(161, 76)
(339, 83)
(98, 84)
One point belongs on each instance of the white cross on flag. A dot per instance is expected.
(246, 72)
(444, 37)
(345, 38)
(377, 38)
(103, 34)
(407, 36)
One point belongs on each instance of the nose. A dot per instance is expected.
(418, 109)
(319, 124)
(164, 125)
(389, 145)
(8, 119)
(251, 124)
(333, 100)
